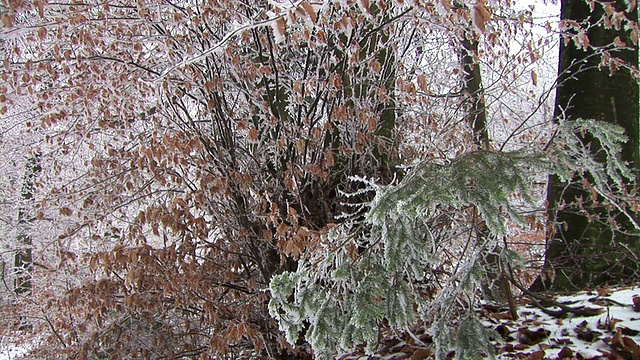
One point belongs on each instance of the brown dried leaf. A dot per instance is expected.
(375, 66)
(42, 32)
(623, 347)
(421, 354)
(534, 78)
(481, 15)
(501, 316)
(293, 215)
(330, 159)
(77, 18)
(366, 5)
(565, 353)
(253, 134)
(7, 20)
(632, 346)
(520, 347)
(280, 28)
(603, 291)
(40, 6)
(528, 337)
(447, 4)
(619, 43)
(538, 355)
(372, 123)
(209, 85)
(311, 12)
(627, 331)
(563, 341)
(422, 83)
(586, 334)
(508, 348)
(636, 303)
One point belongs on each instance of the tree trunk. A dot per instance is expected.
(496, 286)
(23, 259)
(477, 114)
(582, 253)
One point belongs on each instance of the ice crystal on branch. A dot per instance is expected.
(590, 151)
(421, 251)
(379, 270)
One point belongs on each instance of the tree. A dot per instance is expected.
(24, 258)
(182, 186)
(208, 164)
(429, 236)
(344, 297)
(598, 78)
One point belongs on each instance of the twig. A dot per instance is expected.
(53, 329)
(219, 44)
(564, 309)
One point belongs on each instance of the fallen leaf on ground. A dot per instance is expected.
(528, 337)
(563, 341)
(604, 291)
(586, 334)
(636, 303)
(421, 354)
(627, 331)
(565, 353)
(538, 355)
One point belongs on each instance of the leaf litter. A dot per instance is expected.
(612, 332)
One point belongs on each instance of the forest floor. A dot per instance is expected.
(595, 325)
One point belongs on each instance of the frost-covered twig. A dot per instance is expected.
(564, 309)
(219, 44)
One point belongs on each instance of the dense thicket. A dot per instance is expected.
(213, 172)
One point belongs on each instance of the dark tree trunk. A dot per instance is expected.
(581, 253)
(23, 261)
(496, 286)
(477, 114)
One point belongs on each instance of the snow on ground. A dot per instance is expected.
(613, 332)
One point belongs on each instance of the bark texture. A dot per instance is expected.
(582, 252)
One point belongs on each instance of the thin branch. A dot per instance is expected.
(53, 329)
(218, 45)
(537, 299)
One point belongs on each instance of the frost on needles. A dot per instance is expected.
(420, 252)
